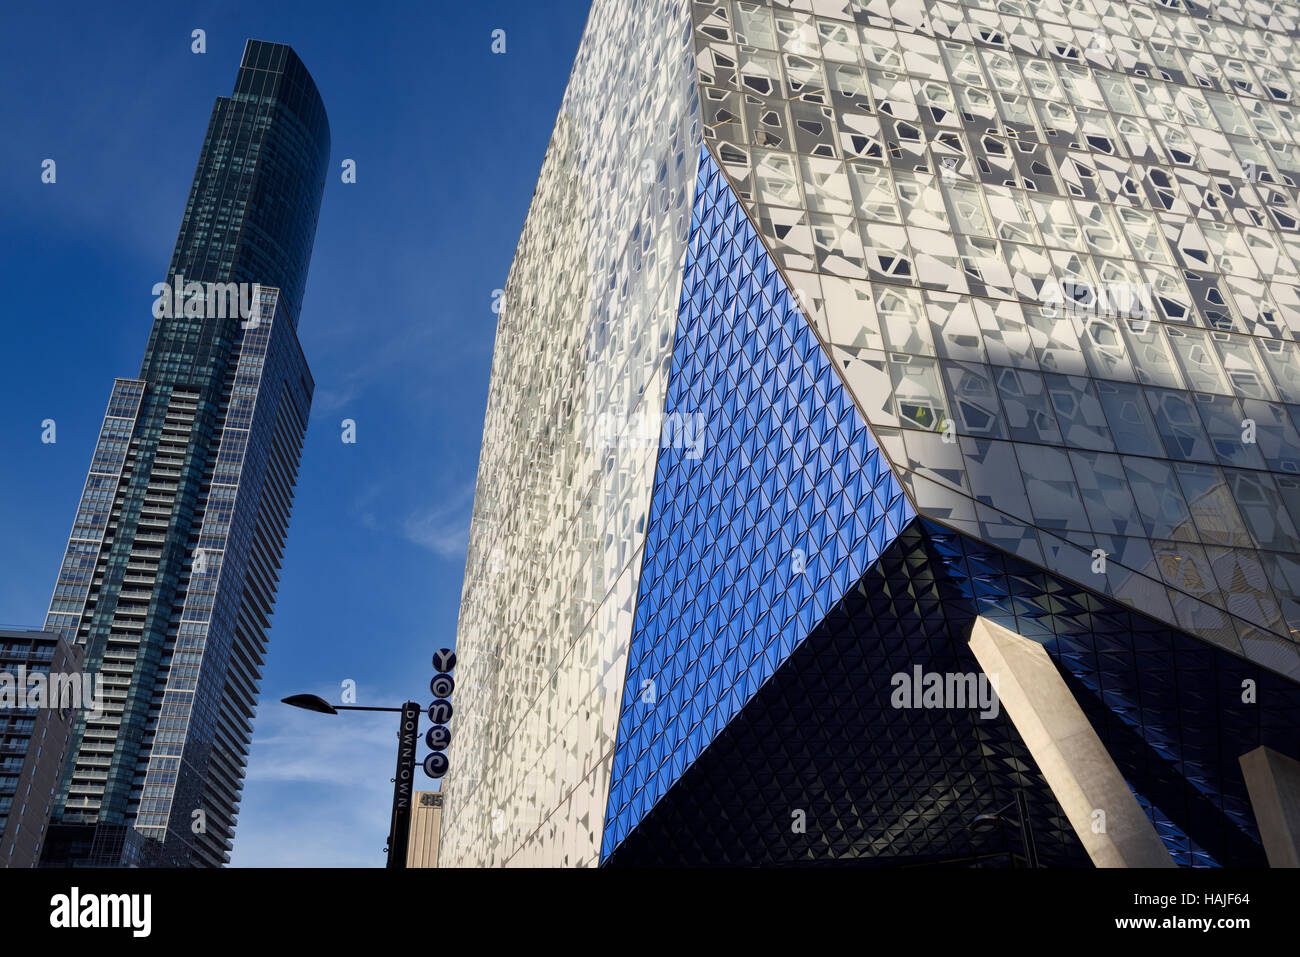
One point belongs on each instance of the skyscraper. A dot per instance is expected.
(875, 378)
(169, 579)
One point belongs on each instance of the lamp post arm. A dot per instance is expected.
(353, 707)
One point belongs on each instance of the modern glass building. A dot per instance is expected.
(169, 579)
(893, 436)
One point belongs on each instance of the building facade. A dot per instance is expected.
(426, 830)
(41, 688)
(880, 355)
(169, 579)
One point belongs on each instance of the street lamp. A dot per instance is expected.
(399, 828)
(984, 823)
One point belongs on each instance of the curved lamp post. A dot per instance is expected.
(403, 781)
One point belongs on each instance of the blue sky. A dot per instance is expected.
(397, 325)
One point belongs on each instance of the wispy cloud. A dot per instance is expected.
(443, 528)
(327, 400)
(318, 791)
(360, 361)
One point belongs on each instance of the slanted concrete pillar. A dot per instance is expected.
(1094, 795)
(1273, 782)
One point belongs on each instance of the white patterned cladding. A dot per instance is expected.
(952, 188)
(559, 518)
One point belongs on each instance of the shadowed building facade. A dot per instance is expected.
(36, 717)
(169, 579)
(853, 340)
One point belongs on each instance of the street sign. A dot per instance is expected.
(442, 686)
(436, 764)
(403, 785)
(440, 711)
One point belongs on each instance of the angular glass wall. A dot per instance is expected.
(758, 527)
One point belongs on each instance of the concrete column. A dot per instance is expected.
(1072, 758)
(1273, 782)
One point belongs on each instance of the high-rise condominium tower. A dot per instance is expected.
(169, 579)
(893, 422)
